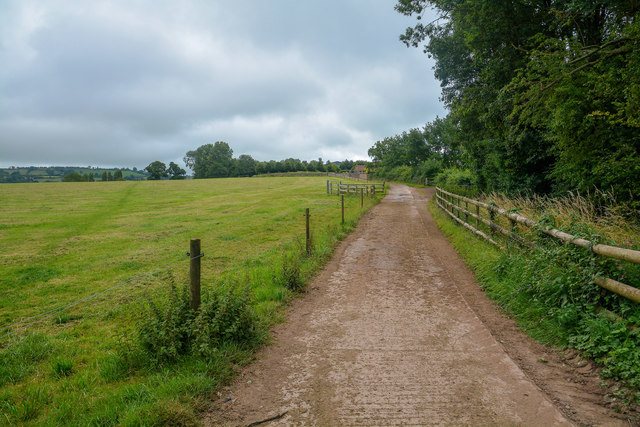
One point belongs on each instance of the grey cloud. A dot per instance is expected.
(115, 83)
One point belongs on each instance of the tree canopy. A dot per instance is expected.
(157, 170)
(216, 161)
(542, 95)
(175, 172)
(210, 160)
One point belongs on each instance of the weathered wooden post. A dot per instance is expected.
(308, 245)
(328, 187)
(343, 209)
(492, 217)
(361, 197)
(194, 273)
(477, 216)
(466, 215)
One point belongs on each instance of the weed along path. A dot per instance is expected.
(389, 334)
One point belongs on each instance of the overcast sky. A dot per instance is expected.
(124, 83)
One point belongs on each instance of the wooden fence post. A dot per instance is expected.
(478, 215)
(466, 216)
(361, 197)
(308, 245)
(492, 218)
(194, 273)
(343, 209)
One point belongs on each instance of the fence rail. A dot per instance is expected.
(356, 176)
(340, 188)
(451, 204)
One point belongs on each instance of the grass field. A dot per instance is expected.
(62, 242)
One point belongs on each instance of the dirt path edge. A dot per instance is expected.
(573, 383)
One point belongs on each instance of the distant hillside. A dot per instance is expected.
(56, 173)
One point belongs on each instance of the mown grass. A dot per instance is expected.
(550, 290)
(62, 242)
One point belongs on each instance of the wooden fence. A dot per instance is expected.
(351, 175)
(452, 204)
(339, 188)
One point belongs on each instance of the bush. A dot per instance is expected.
(166, 332)
(291, 274)
(457, 180)
(430, 168)
(226, 317)
(172, 329)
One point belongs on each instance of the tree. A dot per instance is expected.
(117, 175)
(104, 176)
(245, 165)
(157, 170)
(332, 167)
(347, 165)
(175, 171)
(210, 160)
(75, 177)
(542, 95)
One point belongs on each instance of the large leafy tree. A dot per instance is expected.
(426, 151)
(478, 46)
(175, 172)
(157, 170)
(245, 165)
(581, 92)
(543, 93)
(210, 160)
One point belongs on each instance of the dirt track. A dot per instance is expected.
(396, 332)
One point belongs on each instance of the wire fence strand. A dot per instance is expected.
(38, 318)
(50, 313)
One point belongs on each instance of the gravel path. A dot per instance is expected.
(395, 332)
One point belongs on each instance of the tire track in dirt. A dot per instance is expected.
(390, 333)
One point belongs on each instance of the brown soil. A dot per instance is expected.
(395, 331)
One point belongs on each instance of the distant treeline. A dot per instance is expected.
(69, 174)
(217, 161)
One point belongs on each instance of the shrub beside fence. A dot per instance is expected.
(452, 204)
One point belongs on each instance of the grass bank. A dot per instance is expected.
(550, 291)
(132, 355)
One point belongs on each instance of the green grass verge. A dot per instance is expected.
(61, 242)
(550, 291)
